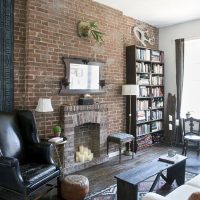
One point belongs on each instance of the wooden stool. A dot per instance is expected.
(120, 138)
(74, 187)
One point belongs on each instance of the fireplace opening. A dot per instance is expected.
(87, 135)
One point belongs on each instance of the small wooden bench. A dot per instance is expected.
(120, 138)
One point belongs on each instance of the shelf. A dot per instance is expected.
(141, 60)
(157, 108)
(143, 134)
(144, 97)
(157, 74)
(157, 62)
(158, 97)
(154, 120)
(157, 85)
(145, 122)
(156, 131)
(142, 72)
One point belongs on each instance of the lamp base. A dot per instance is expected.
(128, 153)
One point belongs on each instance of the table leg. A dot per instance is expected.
(177, 172)
(126, 191)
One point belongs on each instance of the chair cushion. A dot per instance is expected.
(183, 192)
(192, 137)
(194, 181)
(33, 173)
(117, 137)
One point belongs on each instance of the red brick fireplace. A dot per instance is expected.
(84, 125)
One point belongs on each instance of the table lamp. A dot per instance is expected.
(130, 90)
(44, 106)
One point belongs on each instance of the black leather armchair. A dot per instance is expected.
(26, 165)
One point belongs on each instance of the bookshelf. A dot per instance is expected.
(145, 67)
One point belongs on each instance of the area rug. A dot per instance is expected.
(193, 165)
(161, 188)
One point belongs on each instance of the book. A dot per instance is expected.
(168, 159)
(55, 140)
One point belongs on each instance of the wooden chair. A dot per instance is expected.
(191, 133)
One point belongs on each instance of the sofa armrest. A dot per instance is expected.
(10, 174)
(154, 196)
(41, 153)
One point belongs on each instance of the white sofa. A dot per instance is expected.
(181, 193)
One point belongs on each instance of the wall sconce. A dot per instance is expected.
(102, 83)
(65, 82)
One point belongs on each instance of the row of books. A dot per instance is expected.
(142, 129)
(144, 91)
(157, 114)
(142, 105)
(157, 56)
(147, 115)
(156, 126)
(143, 54)
(156, 103)
(143, 115)
(143, 79)
(157, 91)
(142, 67)
(157, 68)
(157, 80)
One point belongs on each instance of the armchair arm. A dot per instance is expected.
(41, 153)
(154, 196)
(10, 174)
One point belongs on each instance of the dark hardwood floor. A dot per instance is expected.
(102, 176)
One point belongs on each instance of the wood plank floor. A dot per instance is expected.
(102, 176)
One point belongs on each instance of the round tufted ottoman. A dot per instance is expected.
(74, 187)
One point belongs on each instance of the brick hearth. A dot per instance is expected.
(90, 118)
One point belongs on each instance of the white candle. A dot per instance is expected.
(77, 158)
(170, 127)
(170, 118)
(177, 122)
(85, 150)
(81, 148)
(82, 158)
(89, 151)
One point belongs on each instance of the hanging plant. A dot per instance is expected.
(87, 29)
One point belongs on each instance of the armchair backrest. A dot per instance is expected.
(17, 130)
(11, 143)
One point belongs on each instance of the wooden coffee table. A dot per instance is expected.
(127, 182)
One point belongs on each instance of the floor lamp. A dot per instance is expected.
(130, 90)
(44, 105)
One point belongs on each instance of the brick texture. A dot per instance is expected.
(46, 30)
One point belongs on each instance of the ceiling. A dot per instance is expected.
(159, 13)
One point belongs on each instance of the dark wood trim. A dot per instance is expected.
(6, 55)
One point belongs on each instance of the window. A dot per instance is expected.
(191, 83)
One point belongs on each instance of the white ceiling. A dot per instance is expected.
(158, 13)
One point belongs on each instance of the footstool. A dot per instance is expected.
(74, 187)
(119, 138)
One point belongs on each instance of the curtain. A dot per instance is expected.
(179, 45)
(6, 55)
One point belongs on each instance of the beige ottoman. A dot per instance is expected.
(74, 187)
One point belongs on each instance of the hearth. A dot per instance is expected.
(84, 125)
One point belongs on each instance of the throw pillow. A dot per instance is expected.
(195, 196)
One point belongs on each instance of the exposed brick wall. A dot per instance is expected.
(47, 30)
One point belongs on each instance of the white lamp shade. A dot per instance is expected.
(44, 105)
(130, 89)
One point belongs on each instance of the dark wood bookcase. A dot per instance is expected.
(145, 67)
